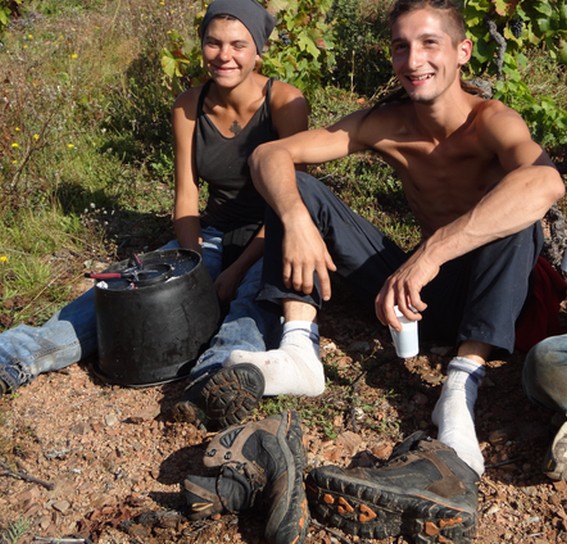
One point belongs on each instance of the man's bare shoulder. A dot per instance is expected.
(496, 122)
(386, 121)
(502, 131)
(390, 110)
(492, 111)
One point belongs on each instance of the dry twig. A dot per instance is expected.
(20, 475)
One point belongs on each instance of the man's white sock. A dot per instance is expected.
(454, 412)
(295, 367)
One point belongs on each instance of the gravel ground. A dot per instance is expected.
(85, 460)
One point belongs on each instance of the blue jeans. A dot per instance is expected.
(545, 373)
(70, 335)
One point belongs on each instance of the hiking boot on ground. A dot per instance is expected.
(259, 465)
(222, 397)
(424, 491)
(555, 462)
(11, 377)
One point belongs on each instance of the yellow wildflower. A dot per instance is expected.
(36, 137)
(15, 145)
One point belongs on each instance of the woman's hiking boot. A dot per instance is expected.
(222, 397)
(424, 491)
(11, 377)
(259, 465)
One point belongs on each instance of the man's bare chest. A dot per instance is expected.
(454, 165)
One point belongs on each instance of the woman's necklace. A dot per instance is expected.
(235, 128)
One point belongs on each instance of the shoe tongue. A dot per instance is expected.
(412, 442)
(236, 490)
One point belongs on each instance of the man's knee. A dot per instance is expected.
(312, 191)
(548, 354)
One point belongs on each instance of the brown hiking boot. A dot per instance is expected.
(259, 465)
(223, 397)
(12, 376)
(424, 491)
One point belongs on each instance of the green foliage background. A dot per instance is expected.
(528, 29)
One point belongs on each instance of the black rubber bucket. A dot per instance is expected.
(155, 318)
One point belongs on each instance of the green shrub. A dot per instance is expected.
(9, 9)
(361, 46)
(504, 34)
(304, 50)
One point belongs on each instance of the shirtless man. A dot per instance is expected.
(477, 184)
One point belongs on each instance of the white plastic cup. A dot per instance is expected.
(406, 341)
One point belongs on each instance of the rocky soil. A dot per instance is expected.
(83, 461)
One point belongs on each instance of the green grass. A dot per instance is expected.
(14, 533)
(86, 169)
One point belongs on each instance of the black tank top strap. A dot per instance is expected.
(202, 96)
(223, 163)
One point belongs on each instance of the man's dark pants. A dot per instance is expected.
(475, 297)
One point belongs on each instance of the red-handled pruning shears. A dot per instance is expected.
(130, 276)
(138, 274)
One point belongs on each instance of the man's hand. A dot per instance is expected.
(304, 253)
(403, 289)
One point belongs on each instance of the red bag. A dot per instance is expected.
(540, 314)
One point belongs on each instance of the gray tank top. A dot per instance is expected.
(223, 163)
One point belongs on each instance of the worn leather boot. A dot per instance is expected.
(12, 376)
(259, 465)
(424, 491)
(223, 397)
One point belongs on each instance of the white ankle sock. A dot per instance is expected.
(454, 412)
(292, 369)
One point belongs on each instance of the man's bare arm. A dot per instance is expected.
(273, 172)
(529, 188)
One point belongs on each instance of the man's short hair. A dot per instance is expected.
(451, 13)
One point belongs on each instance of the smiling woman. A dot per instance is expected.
(230, 56)
(216, 126)
(227, 43)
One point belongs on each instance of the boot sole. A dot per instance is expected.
(231, 394)
(289, 520)
(359, 508)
